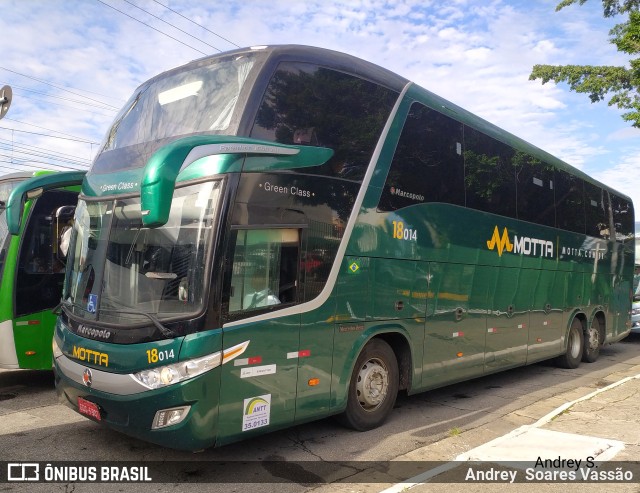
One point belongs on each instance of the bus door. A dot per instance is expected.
(316, 354)
(39, 277)
(258, 387)
(455, 330)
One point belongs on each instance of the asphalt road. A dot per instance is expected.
(34, 427)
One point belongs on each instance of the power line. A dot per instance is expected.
(22, 161)
(22, 145)
(36, 167)
(61, 98)
(46, 135)
(19, 150)
(69, 137)
(61, 105)
(199, 25)
(175, 27)
(59, 87)
(157, 30)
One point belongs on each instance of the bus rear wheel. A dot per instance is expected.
(373, 387)
(575, 347)
(592, 342)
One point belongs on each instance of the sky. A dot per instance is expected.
(72, 64)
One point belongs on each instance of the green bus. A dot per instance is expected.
(273, 235)
(35, 208)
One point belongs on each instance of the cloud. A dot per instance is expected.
(476, 53)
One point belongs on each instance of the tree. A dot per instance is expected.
(622, 84)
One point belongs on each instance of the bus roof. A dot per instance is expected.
(335, 60)
(311, 54)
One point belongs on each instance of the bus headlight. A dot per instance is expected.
(162, 376)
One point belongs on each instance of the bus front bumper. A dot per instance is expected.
(135, 414)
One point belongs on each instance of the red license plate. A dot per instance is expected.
(89, 409)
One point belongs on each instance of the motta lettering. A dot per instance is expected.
(91, 356)
(524, 245)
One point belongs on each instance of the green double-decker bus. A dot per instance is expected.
(277, 234)
(35, 211)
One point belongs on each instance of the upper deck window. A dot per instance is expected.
(199, 100)
(305, 104)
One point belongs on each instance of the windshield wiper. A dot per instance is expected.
(63, 304)
(164, 330)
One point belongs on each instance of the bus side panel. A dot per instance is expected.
(8, 356)
(315, 363)
(377, 296)
(620, 309)
(397, 289)
(33, 337)
(353, 304)
(399, 292)
(455, 332)
(258, 388)
(546, 325)
(508, 320)
(622, 283)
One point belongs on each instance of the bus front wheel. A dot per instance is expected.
(575, 347)
(373, 387)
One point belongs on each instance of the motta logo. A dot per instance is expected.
(502, 243)
(523, 245)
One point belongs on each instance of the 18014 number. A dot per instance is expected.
(401, 232)
(153, 355)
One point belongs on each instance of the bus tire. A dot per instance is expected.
(575, 347)
(592, 342)
(373, 387)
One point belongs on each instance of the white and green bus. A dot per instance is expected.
(276, 234)
(39, 206)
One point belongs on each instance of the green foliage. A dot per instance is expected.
(620, 84)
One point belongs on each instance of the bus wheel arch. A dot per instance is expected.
(400, 346)
(574, 345)
(373, 386)
(594, 335)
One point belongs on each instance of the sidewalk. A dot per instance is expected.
(583, 423)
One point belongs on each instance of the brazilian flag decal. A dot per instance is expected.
(354, 265)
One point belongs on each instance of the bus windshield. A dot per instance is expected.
(120, 272)
(199, 100)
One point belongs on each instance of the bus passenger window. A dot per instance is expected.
(265, 269)
(427, 165)
(595, 209)
(623, 220)
(490, 177)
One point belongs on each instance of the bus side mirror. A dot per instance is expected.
(162, 169)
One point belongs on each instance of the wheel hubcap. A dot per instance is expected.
(372, 384)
